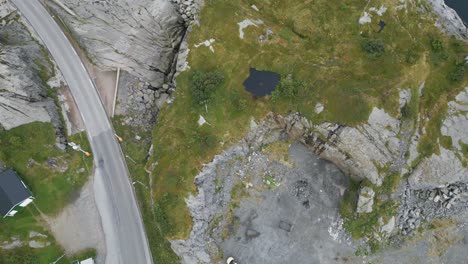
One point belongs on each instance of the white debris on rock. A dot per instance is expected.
(379, 11)
(248, 22)
(36, 234)
(207, 43)
(402, 5)
(202, 121)
(38, 244)
(335, 230)
(319, 108)
(365, 18)
(14, 243)
(389, 226)
(405, 97)
(420, 88)
(366, 200)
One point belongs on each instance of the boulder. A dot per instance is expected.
(389, 226)
(366, 200)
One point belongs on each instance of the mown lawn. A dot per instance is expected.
(27, 149)
(323, 48)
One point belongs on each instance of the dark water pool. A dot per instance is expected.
(261, 83)
(461, 6)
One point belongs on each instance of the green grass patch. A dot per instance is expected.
(464, 149)
(270, 182)
(30, 148)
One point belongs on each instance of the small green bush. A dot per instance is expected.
(458, 73)
(411, 56)
(437, 45)
(288, 88)
(203, 85)
(374, 47)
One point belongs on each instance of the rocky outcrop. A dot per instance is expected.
(437, 170)
(141, 36)
(455, 124)
(359, 151)
(448, 20)
(24, 67)
(447, 166)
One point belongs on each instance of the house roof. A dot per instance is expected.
(12, 191)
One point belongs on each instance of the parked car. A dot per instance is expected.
(231, 260)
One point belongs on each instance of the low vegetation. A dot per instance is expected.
(203, 85)
(323, 55)
(135, 146)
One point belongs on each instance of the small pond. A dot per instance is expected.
(461, 6)
(261, 83)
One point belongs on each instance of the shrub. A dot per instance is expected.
(374, 47)
(437, 45)
(288, 88)
(238, 102)
(203, 85)
(458, 73)
(411, 56)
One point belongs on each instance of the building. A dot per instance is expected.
(87, 261)
(14, 194)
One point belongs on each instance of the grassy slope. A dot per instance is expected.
(137, 152)
(51, 188)
(318, 42)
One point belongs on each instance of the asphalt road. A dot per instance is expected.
(126, 241)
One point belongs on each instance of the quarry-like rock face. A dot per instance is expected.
(23, 94)
(140, 36)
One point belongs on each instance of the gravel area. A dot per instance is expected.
(78, 226)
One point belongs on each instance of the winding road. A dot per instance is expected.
(125, 236)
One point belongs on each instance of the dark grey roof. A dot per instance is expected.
(12, 191)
